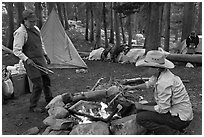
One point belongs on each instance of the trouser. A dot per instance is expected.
(161, 124)
(39, 84)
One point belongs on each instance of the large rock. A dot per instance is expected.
(58, 132)
(47, 130)
(56, 101)
(95, 128)
(32, 131)
(58, 112)
(127, 126)
(58, 124)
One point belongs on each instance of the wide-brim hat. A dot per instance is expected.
(29, 15)
(155, 58)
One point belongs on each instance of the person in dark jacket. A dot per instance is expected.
(192, 42)
(29, 47)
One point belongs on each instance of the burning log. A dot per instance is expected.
(90, 96)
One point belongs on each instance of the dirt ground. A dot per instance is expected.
(16, 119)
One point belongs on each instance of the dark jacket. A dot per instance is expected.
(192, 39)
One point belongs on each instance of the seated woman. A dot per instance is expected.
(172, 110)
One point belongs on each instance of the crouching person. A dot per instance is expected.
(172, 110)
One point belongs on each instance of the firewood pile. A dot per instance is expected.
(106, 109)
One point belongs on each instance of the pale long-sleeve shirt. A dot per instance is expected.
(171, 96)
(20, 38)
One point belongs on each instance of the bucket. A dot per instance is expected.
(20, 84)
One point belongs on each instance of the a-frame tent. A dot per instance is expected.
(58, 45)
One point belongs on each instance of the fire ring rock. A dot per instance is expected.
(94, 128)
(58, 112)
(127, 126)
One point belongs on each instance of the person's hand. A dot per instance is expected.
(138, 106)
(30, 62)
(47, 59)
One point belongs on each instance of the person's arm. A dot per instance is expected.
(188, 41)
(19, 40)
(140, 86)
(151, 82)
(196, 41)
(144, 107)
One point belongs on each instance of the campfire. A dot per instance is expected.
(104, 110)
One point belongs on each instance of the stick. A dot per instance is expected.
(114, 99)
(45, 69)
(41, 69)
(96, 84)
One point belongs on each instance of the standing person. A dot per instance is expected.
(172, 110)
(192, 42)
(28, 46)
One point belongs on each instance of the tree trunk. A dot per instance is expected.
(199, 23)
(129, 32)
(111, 40)
(122, 30)
(116, 49)
(105, 27)
(98, 15)
(20, 8)
(87, 22)
(60, 13)
(75, 12)
(68, 7)
(187, 20)
(153, 37)
(161, 22)
(50, 6)
(116, 24)
(92, 25)
(38, 12)
(196, 58)
(65, 16)
(147, 14)
(10, 29)
(167, 30)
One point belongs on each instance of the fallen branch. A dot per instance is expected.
(140, 81)
(89, 96)
(134, 81)
(97, 83)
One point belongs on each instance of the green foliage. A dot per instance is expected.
(128, 7)
(177, 15)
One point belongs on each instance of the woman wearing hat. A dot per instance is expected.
(28, 46)
(172, 110)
